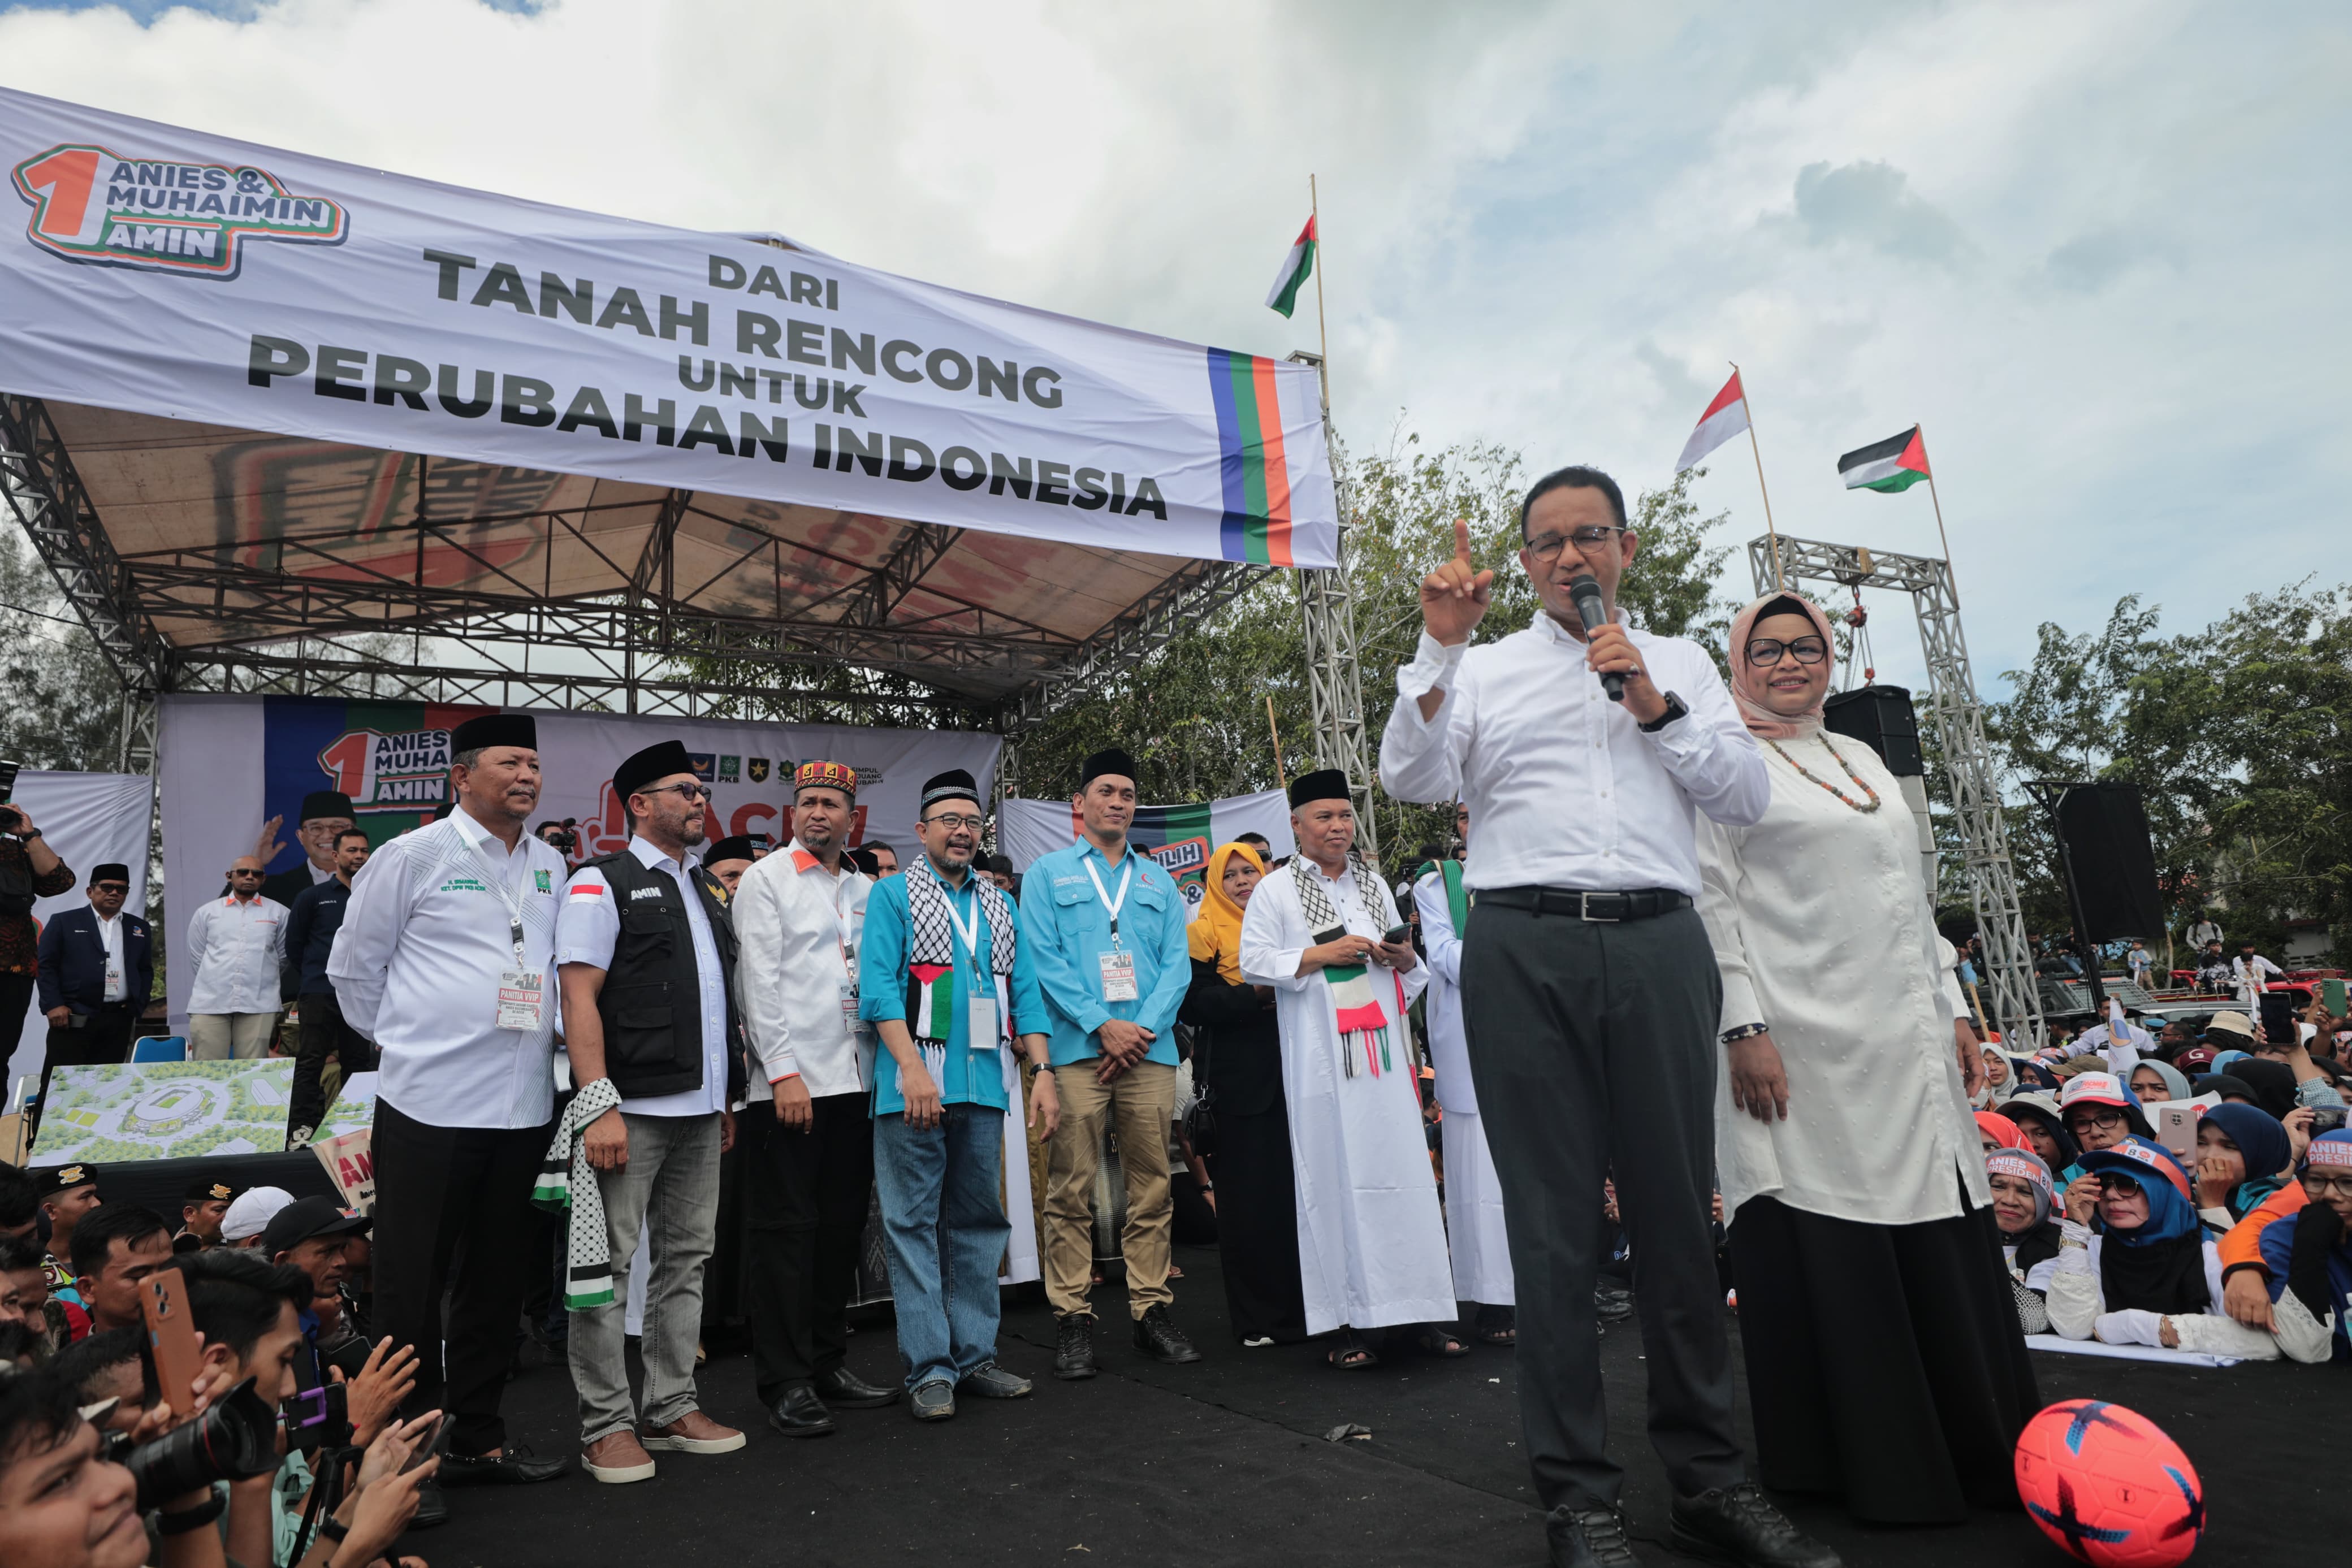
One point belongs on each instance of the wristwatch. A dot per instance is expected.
(1675, 708)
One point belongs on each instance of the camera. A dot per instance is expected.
(562, 837)
(317, 1417)
(233, 1440)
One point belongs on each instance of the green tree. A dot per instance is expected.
(60, 704)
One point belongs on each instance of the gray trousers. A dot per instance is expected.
(1593, 1049)
(669, 1189)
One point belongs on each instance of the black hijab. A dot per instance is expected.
(2037, 1244)
(2272, 1081)
(2158, 1266)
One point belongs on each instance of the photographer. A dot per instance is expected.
(30, 869)
(562, 837)
(63, 1506)
(114, 1250)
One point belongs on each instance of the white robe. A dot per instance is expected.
(1371, 1242)
(1474, 1194)
(1822, 929)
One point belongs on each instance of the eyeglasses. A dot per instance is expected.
(2111, 1181)
(2318, 1184)
(2105, 1120)
(947, 820)
(690, 793)
(1545, 548)
(110, 887)
(1765, 652)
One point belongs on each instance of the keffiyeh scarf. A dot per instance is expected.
(567, 1181)
(930, 955)
(1356, 1010)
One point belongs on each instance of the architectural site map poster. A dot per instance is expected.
(176, 1110)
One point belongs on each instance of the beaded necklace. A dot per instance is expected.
(1825, 783)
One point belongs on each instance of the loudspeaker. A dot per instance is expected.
(2106, 829)
(1881, 716)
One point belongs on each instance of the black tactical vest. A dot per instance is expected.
(652, 1000)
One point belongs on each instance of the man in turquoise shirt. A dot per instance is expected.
(941, 966)
(1106, 938)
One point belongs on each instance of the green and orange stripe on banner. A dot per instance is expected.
(1257, 478)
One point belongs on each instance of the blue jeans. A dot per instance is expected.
(946, 1230)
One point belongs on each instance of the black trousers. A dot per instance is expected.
(1593, 1049)
(807, 1195)
(461, 1197)
(15, 1001)
(1258, 1225)
(323, 1033)
(102, 1037)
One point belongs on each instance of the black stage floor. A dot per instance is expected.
(1225, 1462)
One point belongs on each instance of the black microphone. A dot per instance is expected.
(1594, 614)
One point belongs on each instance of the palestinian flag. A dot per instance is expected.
(930, 999)
(1284, 295)
(1725, 417)
(1895, 463)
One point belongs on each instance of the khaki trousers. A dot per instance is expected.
(1140, 1103)
(231, 1036)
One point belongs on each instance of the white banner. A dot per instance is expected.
(169, 272)
(1182, 838)
(231, 763)
(90, 819)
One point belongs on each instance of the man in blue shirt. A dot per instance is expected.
(1106, 937)
(942, 971)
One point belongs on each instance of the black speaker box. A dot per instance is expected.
(2106, 829)
(1881, 716)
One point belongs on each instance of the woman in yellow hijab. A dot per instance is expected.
(1237, 1058)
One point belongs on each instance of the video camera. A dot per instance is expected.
(562, 837)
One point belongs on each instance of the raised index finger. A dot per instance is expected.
(1462, 540)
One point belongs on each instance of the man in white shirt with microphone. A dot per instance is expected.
(1591, 996)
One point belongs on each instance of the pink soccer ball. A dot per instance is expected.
(2106, 1484)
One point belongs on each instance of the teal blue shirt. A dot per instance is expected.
(1069, 927)
(969, 1077)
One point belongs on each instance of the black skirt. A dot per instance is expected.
(1884, 1362)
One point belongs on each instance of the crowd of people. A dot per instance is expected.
(1688, 1017)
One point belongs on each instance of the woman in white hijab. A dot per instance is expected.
(1885, 1361)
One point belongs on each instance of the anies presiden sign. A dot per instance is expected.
(164, 271)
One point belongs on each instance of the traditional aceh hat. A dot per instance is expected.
(656, 762)
(1110, 760)
(1323, 784)
(490, 729)
(838, 776)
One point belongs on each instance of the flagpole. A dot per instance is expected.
(1274, 730)
(1770, 531)
(1938, 501)
(1322, 337)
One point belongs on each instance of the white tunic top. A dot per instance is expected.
(236, 946)
(1822, 930)
(798, 927)
(1372, 1242)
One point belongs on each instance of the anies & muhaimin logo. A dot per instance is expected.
(91, 204)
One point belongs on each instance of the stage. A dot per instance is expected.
(1225, 1462)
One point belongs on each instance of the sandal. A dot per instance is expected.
(1434, 1341)
(1497, 1325)
(1352, 1354)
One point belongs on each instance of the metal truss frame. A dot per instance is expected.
(1960, 729)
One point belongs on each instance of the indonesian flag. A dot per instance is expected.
(1890, 466)
(1725, 417)
(1284, 295)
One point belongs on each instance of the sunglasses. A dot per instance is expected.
(2113, 1181)
(110, 887)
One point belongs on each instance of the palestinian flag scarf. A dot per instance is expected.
(930, 955)
(1356, 1010)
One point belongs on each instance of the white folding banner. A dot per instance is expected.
(90, 819)
(166, 271)
(232, 765)
(1180, 837)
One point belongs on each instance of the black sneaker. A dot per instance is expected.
(1737, 1524)
(1073, 1348)
(1157, 1336)
(1589, 1538)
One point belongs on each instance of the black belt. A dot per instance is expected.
(1641, 904)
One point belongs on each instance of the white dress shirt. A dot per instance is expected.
(1563, 788)
(588, 927)
(118, 968)
(416, 967)
(237, 947)
(796, 970)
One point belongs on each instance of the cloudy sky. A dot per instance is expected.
(2095, 249)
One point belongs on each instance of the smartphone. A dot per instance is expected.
(2331, 996)
(2176, 1128)
(424, 1445)
(1395, 934)
(2278, 1017)
(172, 1336)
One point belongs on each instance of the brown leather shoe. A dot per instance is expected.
(617, 1458)
(694, 1433)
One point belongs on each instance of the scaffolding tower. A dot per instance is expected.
(1959, 730)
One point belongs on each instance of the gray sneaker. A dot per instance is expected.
(933, 1401)
(990, 1381)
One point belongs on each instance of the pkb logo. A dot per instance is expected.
(89, 205)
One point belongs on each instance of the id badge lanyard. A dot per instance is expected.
(522, 991)
(1118, 966)
(979, 1009)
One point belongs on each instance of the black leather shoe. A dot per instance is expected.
(432, 1508)
(843, 1389)
(1157, 1336)
(514, 1467)
(990, 1381)
(1737, 1524)
(800, 1414)
(1073, 1348)
(1589, 1538)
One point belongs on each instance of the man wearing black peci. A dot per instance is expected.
(97, 971)
(1590, 997)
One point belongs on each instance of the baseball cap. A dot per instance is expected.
(2095, 1089)
(2196, 1059)
(305, 1217)
(252, 1212)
